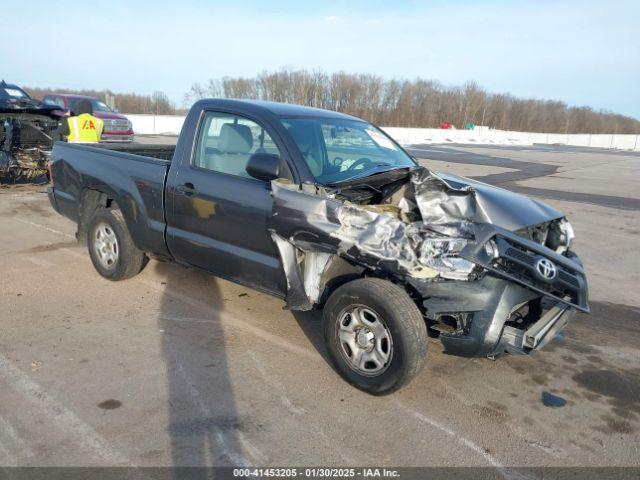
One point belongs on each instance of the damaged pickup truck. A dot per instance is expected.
(27, 133)
(326, 211)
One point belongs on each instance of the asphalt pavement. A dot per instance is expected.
(175, 367)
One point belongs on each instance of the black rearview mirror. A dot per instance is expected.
(264, 166)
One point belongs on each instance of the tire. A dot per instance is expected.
(106, 228)
(353, 317)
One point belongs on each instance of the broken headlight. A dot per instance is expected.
(443, 255)
(561, 236)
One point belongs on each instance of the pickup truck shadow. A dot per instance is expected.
(311, 325)
(203, 424)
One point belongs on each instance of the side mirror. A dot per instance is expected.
(264, 166)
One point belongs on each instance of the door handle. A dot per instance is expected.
(186, 189)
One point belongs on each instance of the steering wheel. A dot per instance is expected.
(361, 161)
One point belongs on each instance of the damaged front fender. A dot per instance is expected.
(315, 228)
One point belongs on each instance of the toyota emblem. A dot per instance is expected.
(546, 268)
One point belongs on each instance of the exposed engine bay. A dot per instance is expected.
(27, 134)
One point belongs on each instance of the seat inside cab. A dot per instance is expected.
(227, 142)
(232, 152)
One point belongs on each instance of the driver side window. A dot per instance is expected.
(227, 141)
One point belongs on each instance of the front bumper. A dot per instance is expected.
(126, 136)
(510, 309)
(519, 341)
(490, 308)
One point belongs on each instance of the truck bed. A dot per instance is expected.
(152, 150)
(131, 175)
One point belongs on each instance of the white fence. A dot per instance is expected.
(413, 136)
(171, 124)
(156, 124)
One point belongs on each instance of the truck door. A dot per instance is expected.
(217, 215)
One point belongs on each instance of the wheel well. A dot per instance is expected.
(90, 201)
(336, 282)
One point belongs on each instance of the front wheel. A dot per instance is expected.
(111, 247)
(375, 335)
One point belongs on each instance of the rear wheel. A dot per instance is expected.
(375, 335)
(111, 248)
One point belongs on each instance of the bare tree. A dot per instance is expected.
(157, 102)
(415, 103)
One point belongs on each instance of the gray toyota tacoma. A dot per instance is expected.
(326, 211)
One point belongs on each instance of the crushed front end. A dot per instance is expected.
(491, 270)
(27, 134)
(525, 295)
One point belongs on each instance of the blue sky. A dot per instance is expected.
(580, 52)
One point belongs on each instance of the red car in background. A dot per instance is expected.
(117, 128)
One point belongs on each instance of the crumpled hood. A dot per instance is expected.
(501, 207)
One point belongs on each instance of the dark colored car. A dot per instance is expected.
(27, 132)
(117, 127)
(326, 211)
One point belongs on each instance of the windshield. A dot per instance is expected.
(97, 105)
(337, 150)
(11, 92)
